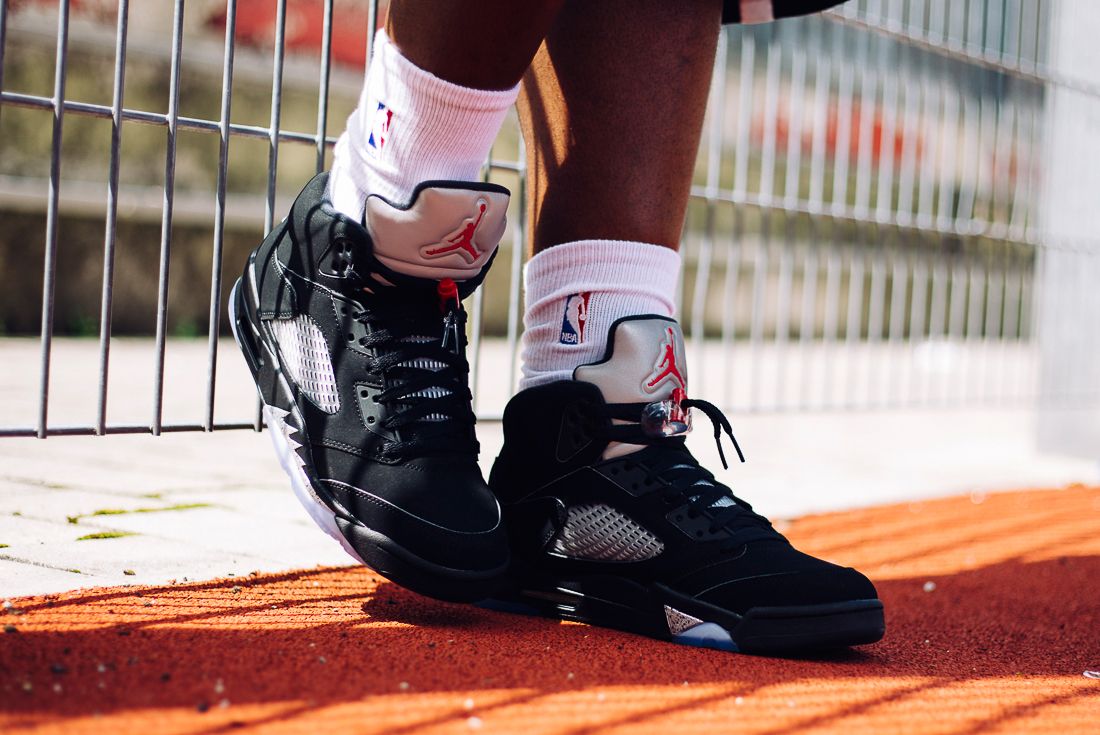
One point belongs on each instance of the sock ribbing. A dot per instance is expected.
(575, 291)
(411, 126)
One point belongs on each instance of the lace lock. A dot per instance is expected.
(448, 292)
(668, 417)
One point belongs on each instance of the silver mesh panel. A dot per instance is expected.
(306, 361)
(598, 532)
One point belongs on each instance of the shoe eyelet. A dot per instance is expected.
(351, 337)
(370, 419)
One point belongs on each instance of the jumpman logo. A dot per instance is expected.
(460, 241)
(665, 368)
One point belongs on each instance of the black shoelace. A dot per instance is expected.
(420, 357)
(668, 460)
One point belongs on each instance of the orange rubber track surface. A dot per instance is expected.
(993, 618)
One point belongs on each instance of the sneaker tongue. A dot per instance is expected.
(448, 230)
(644, 362)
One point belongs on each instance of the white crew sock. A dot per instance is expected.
(411, 126)
(575, 291)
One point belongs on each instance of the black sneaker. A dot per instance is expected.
(613, 522)
(364, 379)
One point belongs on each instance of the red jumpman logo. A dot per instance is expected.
(461, 240)
(666, 367)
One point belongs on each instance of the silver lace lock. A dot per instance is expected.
(668, 417)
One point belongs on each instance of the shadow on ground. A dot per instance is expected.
(1008, 617)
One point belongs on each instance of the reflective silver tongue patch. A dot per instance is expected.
(446, 232)
(645, 364)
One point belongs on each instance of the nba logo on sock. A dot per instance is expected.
(380, 128)
(574, 318)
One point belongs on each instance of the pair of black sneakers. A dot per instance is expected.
(595, 509)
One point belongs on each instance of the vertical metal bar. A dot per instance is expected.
(735, 254)
(868, 97)
(109, 235)
(759, 287)
(791, 185)
(1010, 51)
(946, 214)
(983, 181)
(50, 260)
(729, 301)
(478, 314)
(956, 311)
(807, 323)
(372, 26)
(926, 184)
(273, 137)
(853, 323)
(713, 142)
(974, 315)
(917, 319)
(974, 26)
(3, 40)
(993, 320)
(884, 197)
(323, 84)
(832, 318)
(811, 268)
(770, 163)
(876, 316)
(771, 115)
(766, 196)
(276, 114)
(839, 196)
(743, 151)
(166, 215)
(899, 285)
(783, 309)
(796, 101)
(519, 243)
(937, 321)
(911, 134)
(968, 174)
(822, 81)
(1011, 325)
(214, 322)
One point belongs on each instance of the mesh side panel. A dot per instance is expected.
(306, 360)
(600, 533)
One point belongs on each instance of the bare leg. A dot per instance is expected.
(612, 109)
(484, 44)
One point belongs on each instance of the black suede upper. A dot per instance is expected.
(416, 482)
(551, 460)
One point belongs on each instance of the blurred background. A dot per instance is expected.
(890, 255)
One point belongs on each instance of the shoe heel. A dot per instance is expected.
(243, 332)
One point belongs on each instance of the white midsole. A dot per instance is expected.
(289, 460)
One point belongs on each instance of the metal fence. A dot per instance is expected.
(864, 230)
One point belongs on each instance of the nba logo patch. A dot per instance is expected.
(574, 318)
(380, 128)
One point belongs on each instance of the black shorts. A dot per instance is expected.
(758, 11)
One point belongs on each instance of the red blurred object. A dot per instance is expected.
(304, 26)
